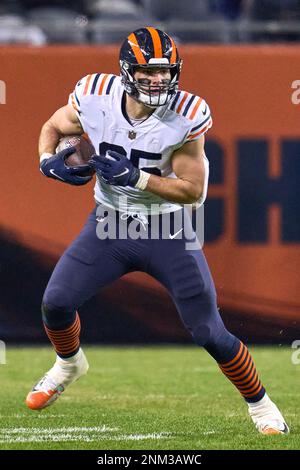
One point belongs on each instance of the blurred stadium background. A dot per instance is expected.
(243, 56)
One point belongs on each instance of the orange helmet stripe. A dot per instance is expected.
(156, 42)
(173, 55)
(136, 49)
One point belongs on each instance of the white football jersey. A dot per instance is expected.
(99, 101)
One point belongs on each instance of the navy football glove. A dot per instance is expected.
(115, 170)
(55, 167)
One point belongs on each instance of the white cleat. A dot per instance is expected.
(63, 373)
(267, 417)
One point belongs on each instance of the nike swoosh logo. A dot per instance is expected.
(123, 173)
(56, 176)
(205, 111)
(175, 234)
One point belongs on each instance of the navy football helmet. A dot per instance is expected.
(148, 48)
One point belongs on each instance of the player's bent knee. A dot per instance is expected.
(207, 330)
(59, 298)
(213, 336)
(223, 347)
(204, 323)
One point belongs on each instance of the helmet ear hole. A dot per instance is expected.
(144, 48)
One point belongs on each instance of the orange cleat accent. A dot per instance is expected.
(61, 375)
(39, 400)
(271, 431)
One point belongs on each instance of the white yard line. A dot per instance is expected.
(63, 429)
(72, 434)
(39, 416)
(141, 437)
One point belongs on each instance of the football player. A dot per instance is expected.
(149, 141)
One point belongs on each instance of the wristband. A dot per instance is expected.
(143, 180)
(45, 156)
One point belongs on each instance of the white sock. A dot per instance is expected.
(70, 360)
(262, 402)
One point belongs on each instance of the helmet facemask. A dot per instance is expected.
(152, 96)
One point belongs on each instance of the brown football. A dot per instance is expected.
(84, 151)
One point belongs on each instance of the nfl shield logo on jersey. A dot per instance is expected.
(131, 135)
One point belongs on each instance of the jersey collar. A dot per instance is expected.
(157, 113)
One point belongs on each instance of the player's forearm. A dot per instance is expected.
(175, 189)
(63, 122)
(49, 139)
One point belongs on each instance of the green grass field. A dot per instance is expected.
(145, 398)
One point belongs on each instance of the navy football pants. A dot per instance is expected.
(89, 264)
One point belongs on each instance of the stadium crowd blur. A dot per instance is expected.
(39, 22)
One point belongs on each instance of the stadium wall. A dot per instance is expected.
(252, 223)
